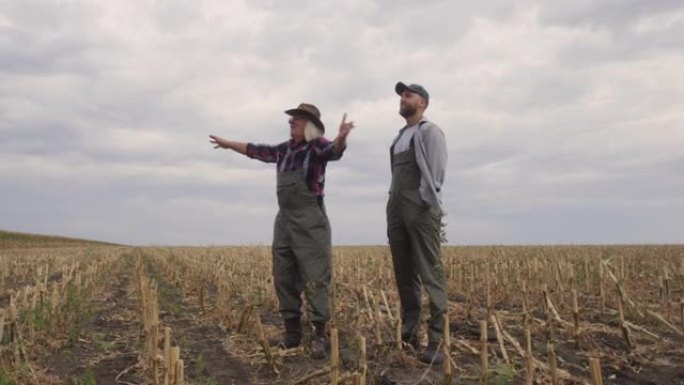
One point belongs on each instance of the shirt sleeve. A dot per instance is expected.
(325, 150)
(431, 156)
(264, 152)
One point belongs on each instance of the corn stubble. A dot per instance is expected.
(541, 304)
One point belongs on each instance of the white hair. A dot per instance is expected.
(311, 132)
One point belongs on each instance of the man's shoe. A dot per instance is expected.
(319, 341)
(318, 347)
(433, 354)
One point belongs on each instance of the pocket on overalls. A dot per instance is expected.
(414, 197)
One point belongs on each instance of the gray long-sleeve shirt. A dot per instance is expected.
(431, 155)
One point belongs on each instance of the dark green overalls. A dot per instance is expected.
(301, 249)
(413, 229)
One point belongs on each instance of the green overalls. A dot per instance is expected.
(301, 249)
(413, 229)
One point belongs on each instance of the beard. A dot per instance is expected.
(407, 110)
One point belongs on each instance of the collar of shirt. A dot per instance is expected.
(301, 144)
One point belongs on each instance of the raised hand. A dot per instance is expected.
(345, 127)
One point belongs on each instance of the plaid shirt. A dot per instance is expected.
(311, 157)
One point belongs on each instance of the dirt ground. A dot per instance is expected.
(226, 357)
(107, 349)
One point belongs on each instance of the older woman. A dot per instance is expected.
(301, 235)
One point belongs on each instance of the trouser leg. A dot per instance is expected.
(286, 274)
(405, 273)
(312, 246)
(424, 235)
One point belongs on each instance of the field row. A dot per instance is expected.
(517, 315)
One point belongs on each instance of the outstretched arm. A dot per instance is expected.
(227, 144)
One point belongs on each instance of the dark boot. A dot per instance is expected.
(318, 341)
(410, 340)
(292, 336)
(433, 354)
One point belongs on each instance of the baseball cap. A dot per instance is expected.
(415, 88)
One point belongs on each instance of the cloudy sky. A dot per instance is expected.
(564, 119)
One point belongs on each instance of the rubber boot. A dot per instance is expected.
(318, 341)
(292, 336)
(410, 341)
(433, 354)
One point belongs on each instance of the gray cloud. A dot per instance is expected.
(563, 120)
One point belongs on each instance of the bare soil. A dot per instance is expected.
(107, 349)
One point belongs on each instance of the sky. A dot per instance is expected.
(564, 120)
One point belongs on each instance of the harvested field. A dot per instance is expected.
(106, 314)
